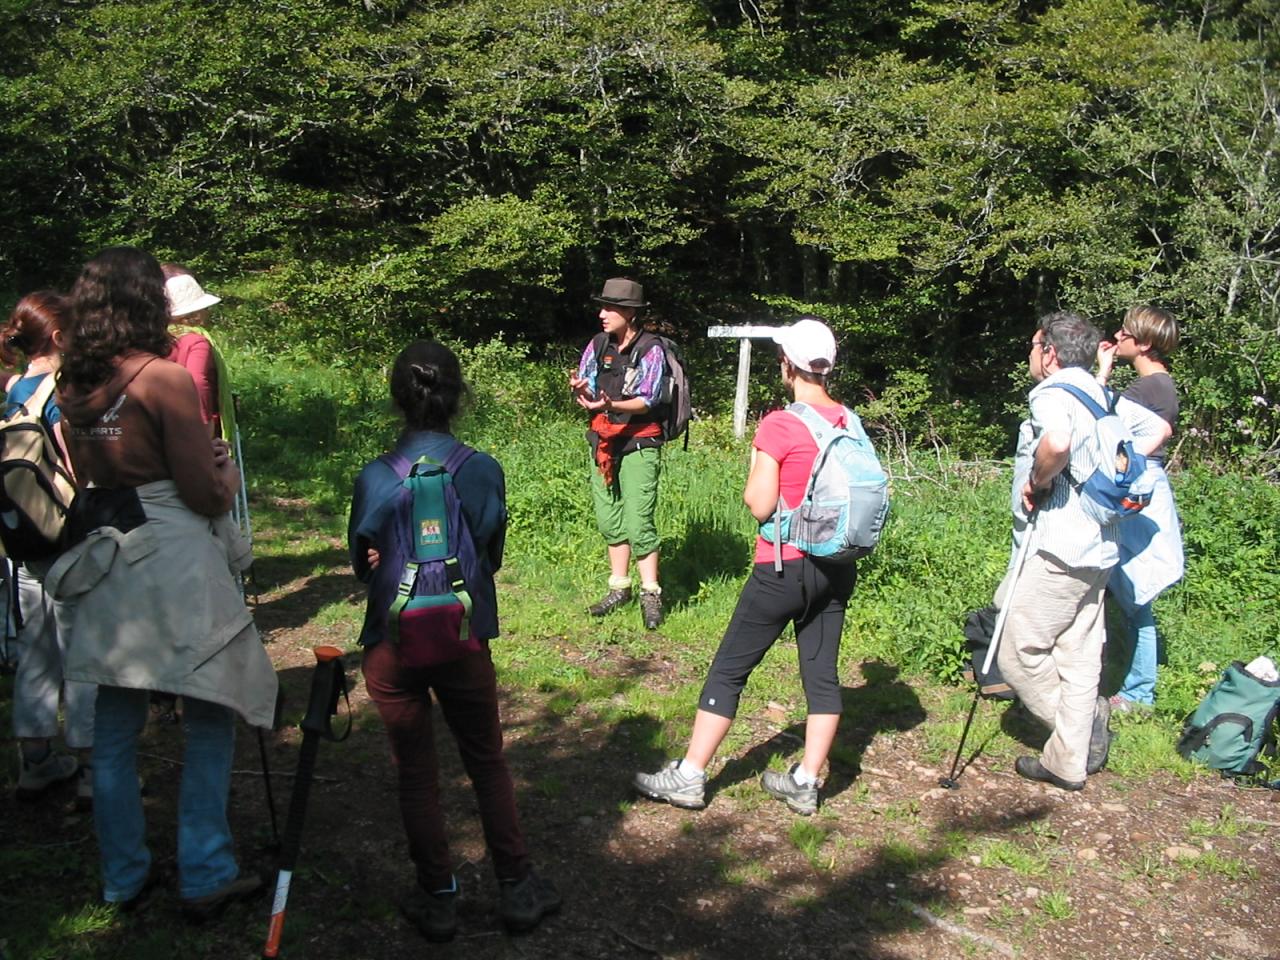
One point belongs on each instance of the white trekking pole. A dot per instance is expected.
(1018, 562)
(242, 498)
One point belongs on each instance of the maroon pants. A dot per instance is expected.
(467, 691)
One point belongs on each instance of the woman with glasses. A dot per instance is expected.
(1150, 547)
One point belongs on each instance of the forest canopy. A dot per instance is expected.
(930, 175)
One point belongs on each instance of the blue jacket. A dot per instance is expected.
(482, 489)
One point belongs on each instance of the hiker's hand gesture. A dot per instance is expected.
(1106, 360)
(374, 558)
(602, 402)
(580, 386)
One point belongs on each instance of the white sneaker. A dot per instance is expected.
(36, 778)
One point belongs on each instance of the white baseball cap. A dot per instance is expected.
(186, 296)
(809, 344)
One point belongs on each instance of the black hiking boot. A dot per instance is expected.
(1033, 769)
(611, 601)
(1099, 737)
(651, 608)
(434, 914)
(523, 903)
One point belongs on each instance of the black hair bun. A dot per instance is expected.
(425, 375)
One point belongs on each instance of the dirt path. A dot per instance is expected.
(891, 867)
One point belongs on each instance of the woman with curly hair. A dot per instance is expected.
(150, 582)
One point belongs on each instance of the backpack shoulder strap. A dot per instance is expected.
(398, 462)
(815, 422)
(39, 397)
(853, 424)
(644, 342)
(1090, 404)
(460, 455)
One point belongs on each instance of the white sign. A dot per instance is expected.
(745, 334)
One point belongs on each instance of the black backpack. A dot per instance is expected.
(673, 409)
(979, 626)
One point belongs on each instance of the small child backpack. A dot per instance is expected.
(1234, 723)
(1109, 495)
(428, 548)
(36, 490)
(846, 499)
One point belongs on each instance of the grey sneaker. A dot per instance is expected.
(671, 785)
(651, 608)
(35, 778)
(802, 800)
(523, 903)
(1099, 737)
(610, 602)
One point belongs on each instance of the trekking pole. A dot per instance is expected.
(328, 682)
(949, 782)
(271, 800)
(1018, 562)
(266, 768)
(241, 505)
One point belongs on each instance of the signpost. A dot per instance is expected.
(745, 335)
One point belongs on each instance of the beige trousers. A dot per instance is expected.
(1051, 655)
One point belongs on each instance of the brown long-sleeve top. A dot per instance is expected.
(143, 425)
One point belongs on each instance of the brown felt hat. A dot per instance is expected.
(622, 292)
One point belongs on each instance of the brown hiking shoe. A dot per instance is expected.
(611, 601)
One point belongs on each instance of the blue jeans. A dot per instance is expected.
(206, 856)
(1139, 684)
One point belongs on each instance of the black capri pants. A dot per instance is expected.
(809, 594)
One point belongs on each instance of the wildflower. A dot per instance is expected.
(1259, 401)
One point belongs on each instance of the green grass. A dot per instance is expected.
(1227, 824)
(1006, 853)
(309, 430)
(1056, 905)
(1232, 868)
(809, 839)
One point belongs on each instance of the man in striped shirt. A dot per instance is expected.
(1051, 651)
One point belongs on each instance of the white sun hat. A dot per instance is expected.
(186, 296)
(809, 344)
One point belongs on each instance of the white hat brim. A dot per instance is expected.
(202, 302)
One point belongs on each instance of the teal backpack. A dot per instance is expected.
(1233, 724)
(846, 499)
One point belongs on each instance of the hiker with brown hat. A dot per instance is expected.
(617, 382)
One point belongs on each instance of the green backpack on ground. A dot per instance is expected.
(1233, 724)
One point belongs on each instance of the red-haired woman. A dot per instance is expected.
(34, 333)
